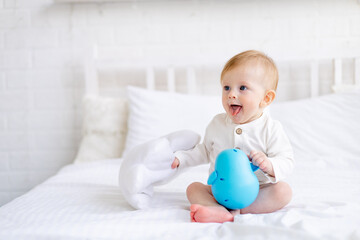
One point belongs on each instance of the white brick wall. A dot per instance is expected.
(42, 47)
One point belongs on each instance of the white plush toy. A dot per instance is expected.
(149, 164)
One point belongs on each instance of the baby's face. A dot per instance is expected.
(243, 91)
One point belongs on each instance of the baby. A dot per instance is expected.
(249, 81)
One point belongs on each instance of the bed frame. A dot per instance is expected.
(174, 71)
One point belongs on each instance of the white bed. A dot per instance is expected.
(83, 200)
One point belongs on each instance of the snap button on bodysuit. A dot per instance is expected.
(238, 131)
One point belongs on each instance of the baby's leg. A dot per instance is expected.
(204, 207)
(271, 197)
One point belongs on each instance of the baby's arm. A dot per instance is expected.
(196, 156)
(260, 159)
(278, 160)
(199, 154)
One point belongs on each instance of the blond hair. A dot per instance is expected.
(260, 58)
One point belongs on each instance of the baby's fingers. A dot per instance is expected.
(257, 158)
(175, 163)
(255, 154)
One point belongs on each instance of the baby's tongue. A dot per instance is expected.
(235, 109)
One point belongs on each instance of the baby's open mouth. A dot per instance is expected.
(235, 109)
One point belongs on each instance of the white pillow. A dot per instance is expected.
(319, 126)
(104, 129)
(155, 113)
(325, 126)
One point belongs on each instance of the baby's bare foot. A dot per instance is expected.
(218, 214)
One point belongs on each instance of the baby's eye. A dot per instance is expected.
(242, 88)
(226, 88)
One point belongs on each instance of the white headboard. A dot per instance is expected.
(149, 80)
(339, 85)
(193, 77)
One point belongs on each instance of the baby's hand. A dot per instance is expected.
(259, 158)
(175, 163)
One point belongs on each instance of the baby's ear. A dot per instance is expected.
(268, 98)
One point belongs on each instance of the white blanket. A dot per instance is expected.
(148, 165)
(83, 201)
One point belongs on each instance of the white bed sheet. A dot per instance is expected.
(83, 201)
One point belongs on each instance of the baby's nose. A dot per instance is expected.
(232, 96)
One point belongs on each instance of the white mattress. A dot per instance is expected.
(83, 201)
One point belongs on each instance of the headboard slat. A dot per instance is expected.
(357, 71)
(171, 79)
(150, 78)
(314, 78)
(191, 80)
(91, 76)
(338, 72)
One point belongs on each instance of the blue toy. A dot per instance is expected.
(233, 183)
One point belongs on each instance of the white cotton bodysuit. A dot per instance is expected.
(263, 134)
